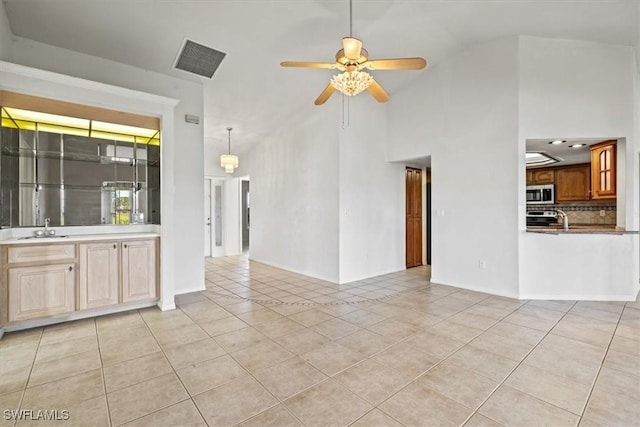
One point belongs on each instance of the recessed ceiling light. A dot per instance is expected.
(577, 145)
(557, 141)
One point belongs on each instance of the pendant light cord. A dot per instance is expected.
(229, 130)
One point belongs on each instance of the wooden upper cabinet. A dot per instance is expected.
(603, 170)
(540, 176)
(573, 183)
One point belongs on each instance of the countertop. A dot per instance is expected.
(80, 238)
(579, 229)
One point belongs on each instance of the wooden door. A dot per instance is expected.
(41, 291)
(414, 217)
(99, 282)
(138, 270)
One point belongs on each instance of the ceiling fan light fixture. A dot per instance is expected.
(352, 83)
(229, 161)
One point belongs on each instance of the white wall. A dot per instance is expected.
(6, 36)
(372, 196)
(184, 165)
(578, 267)
(464, 113)
(580, 89)
(294, 194)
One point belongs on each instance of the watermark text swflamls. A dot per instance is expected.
(36, 415)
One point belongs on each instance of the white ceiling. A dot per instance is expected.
(250, 91)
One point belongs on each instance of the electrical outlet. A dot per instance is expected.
(482, 264)
(603, 212)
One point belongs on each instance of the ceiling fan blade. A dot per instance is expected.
(326, 93)
(397, 64)
(352, 47)
(378, 92)
(302, 64)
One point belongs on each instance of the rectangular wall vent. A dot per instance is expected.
(199, 59)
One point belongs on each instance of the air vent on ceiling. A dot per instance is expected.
(198, 59)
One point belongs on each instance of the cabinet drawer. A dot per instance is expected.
(39, 253)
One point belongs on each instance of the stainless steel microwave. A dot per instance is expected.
(540, 194)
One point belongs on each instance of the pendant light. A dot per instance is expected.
(229, 161)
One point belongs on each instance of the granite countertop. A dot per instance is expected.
(579, 229)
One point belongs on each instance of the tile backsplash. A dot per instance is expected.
(583, 213)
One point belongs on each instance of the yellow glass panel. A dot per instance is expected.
(123, 129)
(26, 125)
(32, 120)
(112, 136)
(34, 116)
(64, 130)
(7, 123)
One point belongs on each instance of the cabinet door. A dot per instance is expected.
(99, 279)
(543, 176)
(41, 291)
(572, 183)
(603, 170)
(529, 177)
(138, 270)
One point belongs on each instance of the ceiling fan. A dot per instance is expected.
(351, 60)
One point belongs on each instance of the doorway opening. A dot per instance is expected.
(246, 215)
(213, 241)
(418, 211)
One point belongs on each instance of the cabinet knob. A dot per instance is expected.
(114, 246)
(70, 268)
(125, 245)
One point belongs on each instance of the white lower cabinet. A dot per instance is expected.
(41, 291)
(99, 282)
(138, 270)
(40, 281)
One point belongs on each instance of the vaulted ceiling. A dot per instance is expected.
(250, 91)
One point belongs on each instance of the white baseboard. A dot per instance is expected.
(194, 289)
(306, 273)
(575, 297)
(375, 274)
(496, 292)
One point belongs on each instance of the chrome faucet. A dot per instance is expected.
(565, 219)
(46, 226)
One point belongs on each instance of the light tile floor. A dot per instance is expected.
(262, 346)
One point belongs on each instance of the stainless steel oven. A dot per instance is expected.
(540, 194)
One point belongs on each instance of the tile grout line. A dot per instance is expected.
(520, 363)
(447, 357)
(26, 384)
(175, 372)
(604, 357)
(104, 382)
(404, 340)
